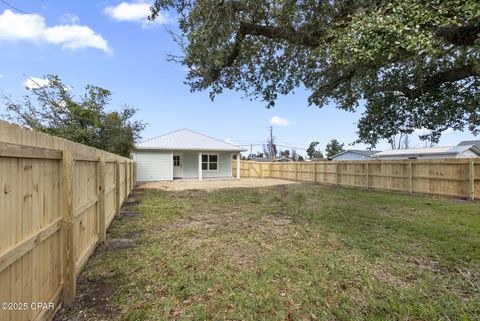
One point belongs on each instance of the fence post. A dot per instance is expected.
(366, 174)
(125, 174)
(296, 171)
(410, 178)
(117, 187)
(471, 179)
(101, 199)
(336, 173)
(69, 283)
(132, 173)
(315, 172)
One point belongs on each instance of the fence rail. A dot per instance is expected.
(448, 177)
(57, 198)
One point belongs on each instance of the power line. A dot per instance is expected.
(11, 6)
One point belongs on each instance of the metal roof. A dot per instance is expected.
(470, 142)
(365, 152)
(428, 151)
(185, 139)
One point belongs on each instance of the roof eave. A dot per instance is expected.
(418, 154)
(189, 149)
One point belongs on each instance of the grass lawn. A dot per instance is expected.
(296, 252)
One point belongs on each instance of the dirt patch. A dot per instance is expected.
(134, 234)
(243, 257)
(92, 302)
(130, 202)
(276, 225)
(129, 213)
(213, 184)
(115, 245)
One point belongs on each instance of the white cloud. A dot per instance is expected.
(32, 28)
(424, 131)
(279, 121)
(134, 12)
(69, 18)
(34, 83)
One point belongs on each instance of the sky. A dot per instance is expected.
(111, 44)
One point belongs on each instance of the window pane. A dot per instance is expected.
(205, 158)
(204, 166)
(212, 158)
(213, 166)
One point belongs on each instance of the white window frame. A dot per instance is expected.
(208, 162)
(179, 160)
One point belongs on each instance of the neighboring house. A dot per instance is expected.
(476, 143)
(464, 151)
(260, 159)
(355, 154)
(185, 154)
(282, 159)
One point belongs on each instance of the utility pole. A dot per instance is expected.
(270, 145)
(251, 155)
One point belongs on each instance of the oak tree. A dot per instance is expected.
(414, 63)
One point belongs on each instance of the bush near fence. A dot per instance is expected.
(57, 199)
(446, 177)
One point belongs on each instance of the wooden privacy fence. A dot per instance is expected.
(449, 177)
(57, 199)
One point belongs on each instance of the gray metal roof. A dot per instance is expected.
(470, 142)
(428, 151)
(185, 139)
(365, 152)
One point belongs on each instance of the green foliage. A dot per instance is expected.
(312, 151)
(333, 148)
(85, 120)
(414, 63)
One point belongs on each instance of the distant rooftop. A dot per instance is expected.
(470, 142)
(365, 152)
(186, 139)
(448, 150)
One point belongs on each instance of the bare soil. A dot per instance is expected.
(213, 184)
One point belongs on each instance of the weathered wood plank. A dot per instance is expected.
(17, 251)
(69, 280)
(24, 151)
(101, 200)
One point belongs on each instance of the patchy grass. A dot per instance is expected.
(296, 252)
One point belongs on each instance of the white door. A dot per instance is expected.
(177, 165)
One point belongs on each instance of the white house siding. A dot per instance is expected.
(154, 166)
(190, 164)
(467, 154)
(224, 165)
(351, 156)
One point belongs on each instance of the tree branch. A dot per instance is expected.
(436, 80)
(460, 35)
(289, 35)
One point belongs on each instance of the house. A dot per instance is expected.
(355, 154)
(185, 154)
(463, 151)
(282, 159)
(476, 143)
(260, 159)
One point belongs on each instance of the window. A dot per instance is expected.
(176, 160)
(210, 162)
